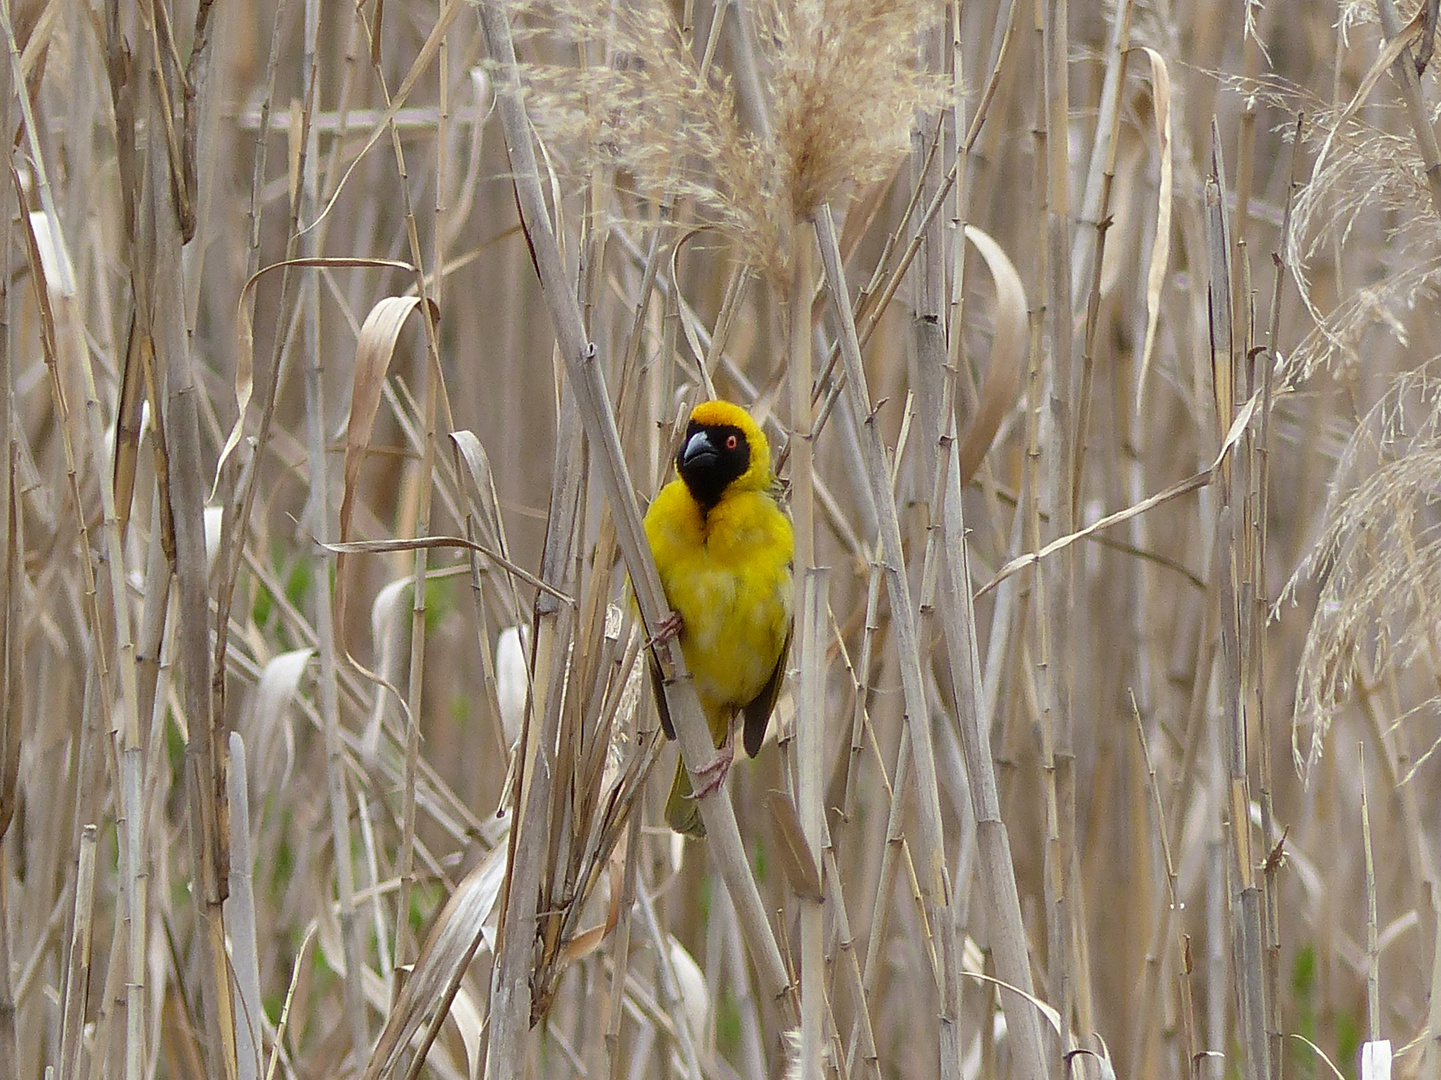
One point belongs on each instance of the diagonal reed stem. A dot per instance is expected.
(511, 998)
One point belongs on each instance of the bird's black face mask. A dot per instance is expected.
(710, 458)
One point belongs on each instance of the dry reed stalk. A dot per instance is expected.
(11, 644)
(956, 606)
(1060, 490)
(133, 809)
(1430, 1066)
(934, 388)
(934, 888)
(1261, 500)
(77, 975)
(1096, 213)
(1405, 71)
(9, 1043)
(305, 208)
(164, 325)
(1168, 914)
(240, 916)
(134, 849)
(431, 392)
(1361, 249)
(1373, 951)
(810, 737)
(579, 356)
(1244, 899)
(621, 957)
(415, 689)
(511, 1002)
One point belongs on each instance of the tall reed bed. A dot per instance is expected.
(342, 347)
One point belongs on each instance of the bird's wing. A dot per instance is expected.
(758, 712)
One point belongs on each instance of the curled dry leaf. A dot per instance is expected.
(483, 504)
(512, 679)
(691, 984)
(470, 1022)
(213, 516)
(1008, 352)
(269, 726)
(390, 642)
(588, 940)
(794, 853)
(373, 353)
(245, 354)
(54, 256)
(1161, 247)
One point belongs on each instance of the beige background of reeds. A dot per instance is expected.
(369, 805)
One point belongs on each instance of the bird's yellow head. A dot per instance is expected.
(723, 450)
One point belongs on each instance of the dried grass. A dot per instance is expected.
(1092, 536)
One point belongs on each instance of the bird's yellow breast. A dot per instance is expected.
(728, 575)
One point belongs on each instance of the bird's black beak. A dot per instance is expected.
(709, 459)
(698, 452)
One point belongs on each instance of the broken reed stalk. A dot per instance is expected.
(510, 1020)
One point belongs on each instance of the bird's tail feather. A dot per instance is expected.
(682, 812)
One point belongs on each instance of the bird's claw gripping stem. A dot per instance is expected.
(715, 770)
(669, 629)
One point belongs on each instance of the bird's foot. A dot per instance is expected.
(715, 770)
(669, 629)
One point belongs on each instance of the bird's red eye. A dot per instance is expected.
(732, 442)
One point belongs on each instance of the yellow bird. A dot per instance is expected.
(724, 549)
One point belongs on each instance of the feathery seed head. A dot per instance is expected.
(840, 89)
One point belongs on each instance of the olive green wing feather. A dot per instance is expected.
(758, 713)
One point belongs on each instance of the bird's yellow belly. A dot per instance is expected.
(728, 575)
(735, 626)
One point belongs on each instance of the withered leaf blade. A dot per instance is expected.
(458, 933)
(795, 854)
(1008, 354)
